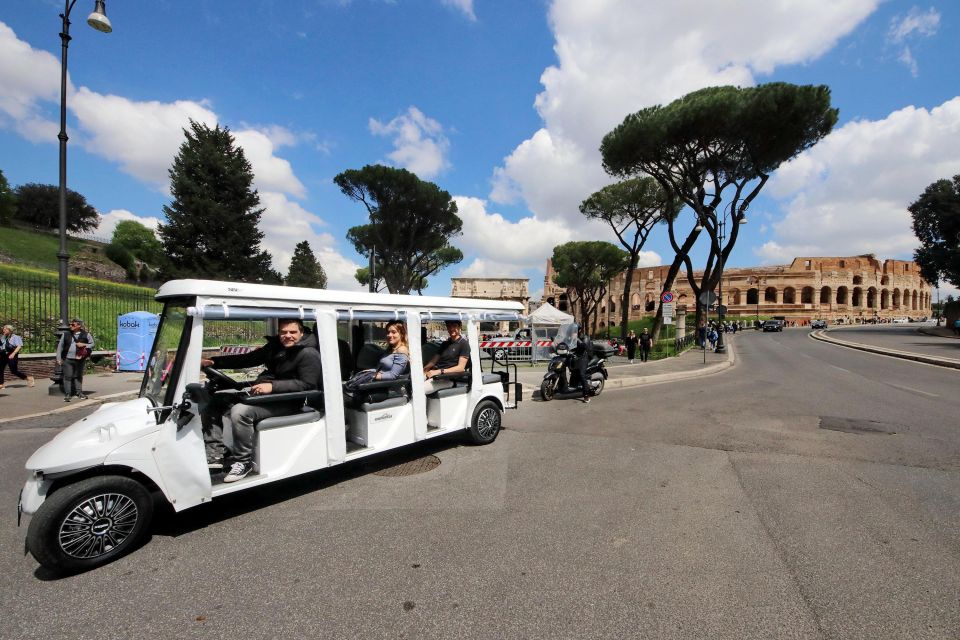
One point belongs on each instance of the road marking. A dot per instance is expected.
(912, 390)
(840, 368)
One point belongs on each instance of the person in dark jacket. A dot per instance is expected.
(584, 351)
(292, 363)
(75, 346)
(631, 343)
(646, 343)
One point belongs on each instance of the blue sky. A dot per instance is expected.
(503, 104)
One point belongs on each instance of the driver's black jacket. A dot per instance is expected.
(288, 370)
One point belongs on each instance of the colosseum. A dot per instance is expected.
(837, 289)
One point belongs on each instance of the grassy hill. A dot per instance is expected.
(39, 250)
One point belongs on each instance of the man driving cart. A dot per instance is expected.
(292, 363)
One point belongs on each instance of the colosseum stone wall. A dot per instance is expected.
(850, 289)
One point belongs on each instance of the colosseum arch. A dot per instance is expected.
(613, 305)
(885, 299)
(806, 295)
(913, 306)
(770, 294)
(563, 302)
(843, 295)
(905, 301)
(733, 296)
(857, 297)
(650, 304)
(825, 295)
(635, 300)
(753, 296)
(789, 295)
(896, 298)
(872, 298)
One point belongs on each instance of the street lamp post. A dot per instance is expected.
(99, 21)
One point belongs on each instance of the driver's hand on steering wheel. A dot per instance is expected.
(205, 362)
(261, 389)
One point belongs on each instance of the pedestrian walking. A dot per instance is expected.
(631, 342)
(646, 344)
(10, 346)
(75, 346)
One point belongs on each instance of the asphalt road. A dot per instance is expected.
(904, 337)
(809, 492)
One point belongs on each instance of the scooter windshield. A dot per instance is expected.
(567, 335)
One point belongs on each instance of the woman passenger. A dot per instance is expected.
(396, 362)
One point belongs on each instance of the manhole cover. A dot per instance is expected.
(851, 425)
(410, 467)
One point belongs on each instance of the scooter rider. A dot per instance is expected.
(583, 351)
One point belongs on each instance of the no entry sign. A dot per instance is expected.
(666, 296)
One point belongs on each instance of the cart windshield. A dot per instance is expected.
(161, 367)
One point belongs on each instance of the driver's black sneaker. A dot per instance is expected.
(239, 471)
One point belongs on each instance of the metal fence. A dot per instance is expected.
(31, 303)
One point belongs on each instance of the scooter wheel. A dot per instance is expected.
(547, 390)
(598, 388)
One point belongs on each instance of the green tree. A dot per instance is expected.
(139, 240)
(39, 205)
(363, 277)
(936, 223)
(305, 269)
(211, 229)
(715, 150)
(585, 267)
(631, 208)
(411, 224)
(8, 201)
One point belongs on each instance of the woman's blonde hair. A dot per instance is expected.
(402, 330)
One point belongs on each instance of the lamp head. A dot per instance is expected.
(98, 19)
(699, 227)
(743, 219)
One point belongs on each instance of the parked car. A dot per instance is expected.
(901, 320)
(818, 324)
(772, 325)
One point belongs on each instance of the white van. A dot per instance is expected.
(89, 492)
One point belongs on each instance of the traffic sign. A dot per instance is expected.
(707, 298)
(667, 309)
(666, 297)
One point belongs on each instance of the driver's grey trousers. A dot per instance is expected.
(244, 418)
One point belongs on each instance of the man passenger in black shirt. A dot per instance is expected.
(453, 357)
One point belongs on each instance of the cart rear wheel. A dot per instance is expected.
(90, 523)
(486, 423)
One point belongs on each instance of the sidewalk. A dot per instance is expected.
(19, 401)
(689, 364)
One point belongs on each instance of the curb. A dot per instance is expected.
(820, 335)
(640, 381)
(73, 405)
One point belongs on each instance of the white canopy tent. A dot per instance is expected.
(548, 314)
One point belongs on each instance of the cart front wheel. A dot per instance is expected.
(90, 523)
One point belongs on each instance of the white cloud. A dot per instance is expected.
(286, 223)
(420, 144)
(271, 173)
(849, 194)
(466, 6)
(29, 78)
(924, 24)
(481, 268)
(651, 53)
(497, 241)
(911, 26)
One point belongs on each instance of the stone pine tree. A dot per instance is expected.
(936, 223)
(211, 229)
(715, 149)
(631, 208)
(585, 267)
(305, 269)
(410, 225)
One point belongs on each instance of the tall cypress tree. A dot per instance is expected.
(211, 229)
(305, 269)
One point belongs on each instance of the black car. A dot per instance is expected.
(818, 324)
(772, 325)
